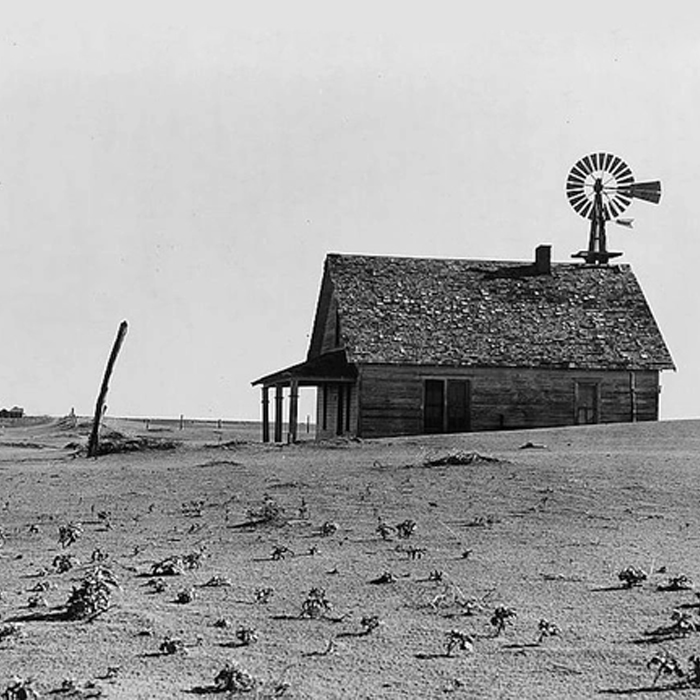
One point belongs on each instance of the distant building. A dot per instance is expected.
(405, 346)
(14, 412)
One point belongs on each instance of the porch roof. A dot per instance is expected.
(329, 367)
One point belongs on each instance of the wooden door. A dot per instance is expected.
(434, 406)
(458, 406)
(586, 403)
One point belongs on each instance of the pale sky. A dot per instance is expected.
(187, 166)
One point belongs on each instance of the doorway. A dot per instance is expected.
(587, 402)
(447, 406)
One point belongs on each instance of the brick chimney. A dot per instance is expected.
(543, 260)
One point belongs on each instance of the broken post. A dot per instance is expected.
(94, 443)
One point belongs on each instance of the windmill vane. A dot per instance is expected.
(600, 187)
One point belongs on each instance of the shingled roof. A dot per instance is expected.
(475, 313)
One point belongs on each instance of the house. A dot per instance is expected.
(14, 412)
(405, 346)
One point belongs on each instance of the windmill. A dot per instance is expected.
(600, 187)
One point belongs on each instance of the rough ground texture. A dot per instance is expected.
(543, 530)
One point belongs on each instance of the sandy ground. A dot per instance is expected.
(542, 530)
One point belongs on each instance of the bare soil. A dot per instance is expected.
(543, 529)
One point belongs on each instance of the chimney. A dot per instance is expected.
(543, 260)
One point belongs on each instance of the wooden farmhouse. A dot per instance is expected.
(405, 346)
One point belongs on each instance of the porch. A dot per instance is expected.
(329, 369)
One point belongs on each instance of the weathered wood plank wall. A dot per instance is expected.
(392, 397)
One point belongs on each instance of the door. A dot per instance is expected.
(434, 406)
(458, 413)
(446, 406)
(586, 403)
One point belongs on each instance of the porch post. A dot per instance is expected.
(278, 413)
(293, 410)
(265, 414)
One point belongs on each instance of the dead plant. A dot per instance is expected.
(217, 581)
(316, 604)
(501, 617)
(177, 565)
(157, 585)
(683, 624)
(263, 595)
(192, 509)
(547, 629)
(234, 679)
(185, 596)
(384, 530)
(676, 583)
(92, 596)
(665, 665)
(20, 689)
(270, 512)
(632, 576)
(303, 509)
(69, 534)
(172, 645)
(405, 529)
(369, 623)
(37, 601)
(328, 528)
(415, 552)
(280, 552)
(64, 562)
(460, 641)
(10, 630)
(246, 636)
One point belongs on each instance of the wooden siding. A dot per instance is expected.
(330, 393)
(331, 332)
(392, 397)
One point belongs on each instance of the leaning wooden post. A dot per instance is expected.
(94, 443)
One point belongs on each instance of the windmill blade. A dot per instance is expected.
(648, 191)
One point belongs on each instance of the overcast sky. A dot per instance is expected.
(187, 166)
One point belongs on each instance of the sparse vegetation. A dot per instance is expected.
(263, 595)
(431, 592)
(246, 635)
(269, 512)
(546, 629)
(69, 534)
(172, 645)
(501, 617)
(10, 630)
(458, 641)
(234, 679)
(316, 604)
(632, 576)
(665, 664)
(328, 528)
(93, 594)
(677, 583)
(20, 689)
(405, 529)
